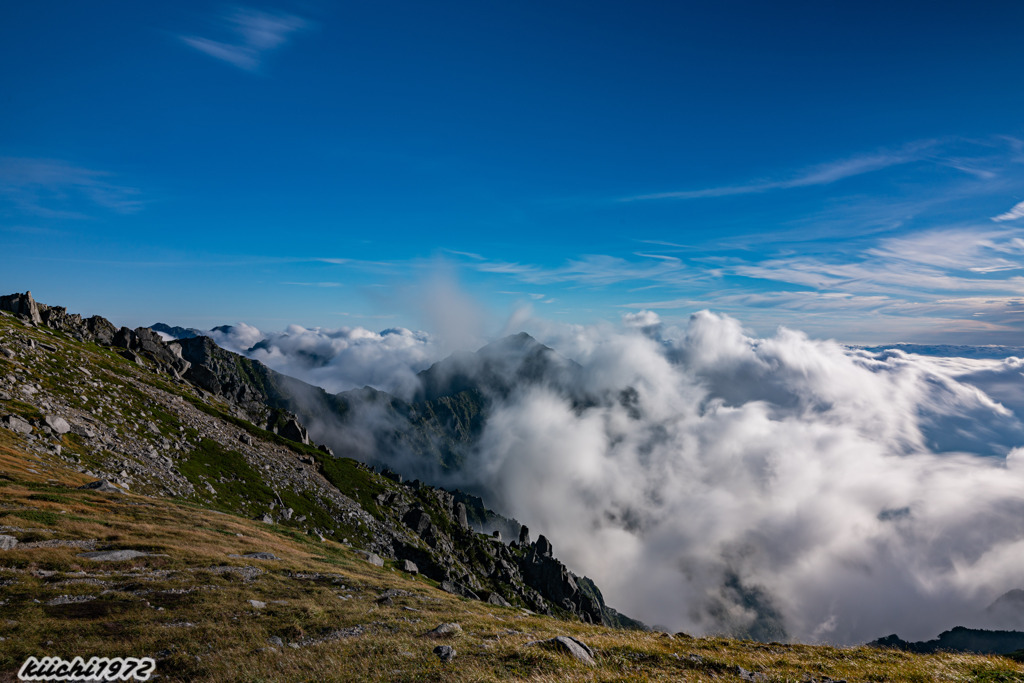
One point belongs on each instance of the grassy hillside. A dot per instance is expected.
(188, 605)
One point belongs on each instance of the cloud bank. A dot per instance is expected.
(716, 482)
(336, 359)
(779, 487)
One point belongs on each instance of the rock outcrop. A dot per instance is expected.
(23, 306)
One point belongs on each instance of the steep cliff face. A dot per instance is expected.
(191, 420)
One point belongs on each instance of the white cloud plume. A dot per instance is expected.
(647, 322)
(255, 33)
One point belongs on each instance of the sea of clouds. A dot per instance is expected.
(716, 482)
(781, 487)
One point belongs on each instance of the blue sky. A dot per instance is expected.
(854, 170)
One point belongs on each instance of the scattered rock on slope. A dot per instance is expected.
(445, 653)
(445, 630)
(569, 645)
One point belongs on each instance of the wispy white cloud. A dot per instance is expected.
(254, 33)
(1013, 214)
(868, 276)
(684, 303)
(821, 174)
(592, 270)
(313, 284)
(919, 265)
(52, 188)
(954, 249)
(961, 283)
(663, 257)
(467, 254)
(32, 230)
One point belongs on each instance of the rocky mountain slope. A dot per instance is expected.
(431, 434)
(190, 420)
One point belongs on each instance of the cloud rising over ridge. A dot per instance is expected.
(779, 487)
(712, 481)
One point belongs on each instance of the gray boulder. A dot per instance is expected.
(101, 329)
(17, 424)
(58, 424)
(410, 567)
(372, 558)
(102, 485)
(445, 653)
(257, 556)
(417, 520)
(494, 598)
(291, 429)
(445, 630)
(569, 645)
(83, 430)
(113, 555)
(7, 542)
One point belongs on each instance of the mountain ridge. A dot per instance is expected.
(424, 525)
(144, 515)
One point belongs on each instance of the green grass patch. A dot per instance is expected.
(302, 504)
(350, 477)
(992, 675)
(50, 497)
(25, 410)
(243, 485)
(37, 516)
